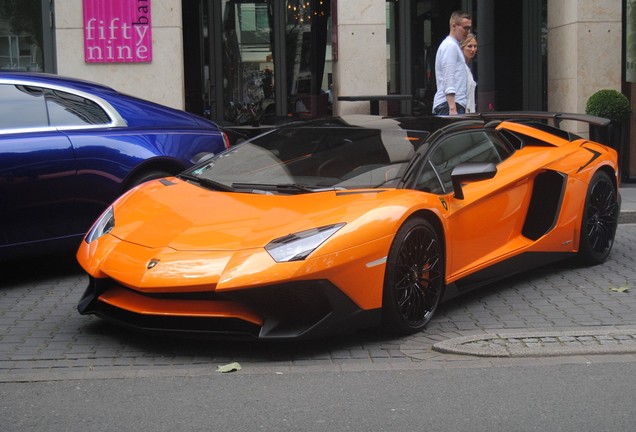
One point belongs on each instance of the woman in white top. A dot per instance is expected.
(469, 48)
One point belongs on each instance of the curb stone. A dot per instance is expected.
(627, 217)
(537, 344)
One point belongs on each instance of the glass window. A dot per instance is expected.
(308, 50)
(22, 107)
(21, 37)
(455, 150)
(248, 60)
(66, 109)
(260, 61)
(342, 157)
(392, 46)
(630, 41)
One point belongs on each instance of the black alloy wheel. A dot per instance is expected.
(414, 278)
(600, 219)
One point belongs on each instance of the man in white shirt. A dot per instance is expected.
(450, 68)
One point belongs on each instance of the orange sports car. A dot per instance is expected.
(333, 225)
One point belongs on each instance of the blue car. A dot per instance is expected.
(69, 147)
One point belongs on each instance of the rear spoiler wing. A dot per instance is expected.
(553, 118)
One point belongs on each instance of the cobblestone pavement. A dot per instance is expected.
(556, 314)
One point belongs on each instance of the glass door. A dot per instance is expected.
(248, 61)
(309, 60)
(257, 61)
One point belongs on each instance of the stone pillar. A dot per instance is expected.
(360, 68)
(584, 54)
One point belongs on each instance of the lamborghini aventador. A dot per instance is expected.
(337, 224)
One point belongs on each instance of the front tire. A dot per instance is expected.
(600, 219)
(414, 277)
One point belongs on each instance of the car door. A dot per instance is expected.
(102, 159)
(482, 226)
(37, 169)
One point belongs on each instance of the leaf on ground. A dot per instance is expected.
(620, 289)
(232, 367)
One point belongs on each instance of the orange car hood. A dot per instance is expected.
(183, 216)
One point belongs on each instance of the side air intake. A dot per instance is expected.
(545, 204)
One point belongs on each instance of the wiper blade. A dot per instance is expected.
(284, 187)
(210, 184)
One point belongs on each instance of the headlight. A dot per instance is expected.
(298, 246)
(103, 225)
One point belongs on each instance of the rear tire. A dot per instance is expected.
(414, 277)
(600, 219)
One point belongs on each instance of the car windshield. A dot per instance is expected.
(308, 159)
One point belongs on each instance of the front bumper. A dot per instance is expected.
(293, 310)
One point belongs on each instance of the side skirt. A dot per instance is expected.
(515, 265)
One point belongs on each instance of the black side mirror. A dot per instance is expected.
(469, 172)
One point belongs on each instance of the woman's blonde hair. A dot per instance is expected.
(470, 37)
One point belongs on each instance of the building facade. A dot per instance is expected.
(281, 59)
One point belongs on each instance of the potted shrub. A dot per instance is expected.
(613, 106)
(610, 104)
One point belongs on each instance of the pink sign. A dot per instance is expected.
(117, 31)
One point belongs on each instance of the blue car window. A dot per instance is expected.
(22, 107)
(66, 109)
